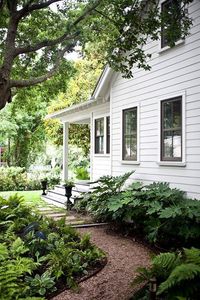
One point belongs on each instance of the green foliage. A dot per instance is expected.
(41, 284)
(161, 214)
(81, 173)
(106, 187)
(79, 89)
(37, 254)
(177, 274)
(16, 179)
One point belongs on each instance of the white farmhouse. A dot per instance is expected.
(150, 123)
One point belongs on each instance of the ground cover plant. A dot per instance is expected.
(177, 275)
(39, 256)
(97, 201)
(162, 215)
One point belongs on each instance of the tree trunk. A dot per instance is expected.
(5, 91)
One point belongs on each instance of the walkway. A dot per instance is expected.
(114, 281)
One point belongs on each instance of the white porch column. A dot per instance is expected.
(65, 150)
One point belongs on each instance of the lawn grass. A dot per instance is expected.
(32, 198)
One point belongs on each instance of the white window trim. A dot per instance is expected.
(104, 154)
(172, 163)
(163, 49)
(130, 162)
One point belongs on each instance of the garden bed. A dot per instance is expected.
(40, 257)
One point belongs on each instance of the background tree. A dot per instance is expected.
(35, 38)
(79, 89)
(22, 127)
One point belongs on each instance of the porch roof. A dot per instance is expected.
(71, 113)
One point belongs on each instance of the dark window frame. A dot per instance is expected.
(172, 129)
(124, 111)
(107, 134)
(97, 137)
(164, 42)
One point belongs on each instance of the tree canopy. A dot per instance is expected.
(35, 38)
(79, 88)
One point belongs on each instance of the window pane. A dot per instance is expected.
(172, 144)
(170, 29)
(101, 126)
(130, 121)
(167, 115)
(168, 144)
(177, 144)
(99, 135)
(133, 147)
(177, 114)
(127, 148)
(130, 134)
(171, 129)
(108, 135)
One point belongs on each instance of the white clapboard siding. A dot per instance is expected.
(174, 71)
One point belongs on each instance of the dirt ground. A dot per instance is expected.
(113, 282)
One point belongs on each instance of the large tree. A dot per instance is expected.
(34, 37)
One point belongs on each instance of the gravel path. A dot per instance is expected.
(113, 282)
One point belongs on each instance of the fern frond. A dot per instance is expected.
(144, 275)
(179, 275)
(166, 261)
(192, 255)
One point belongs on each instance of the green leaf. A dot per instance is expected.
(181, 274)
(170, 212)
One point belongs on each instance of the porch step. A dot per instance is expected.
(53, 201)
(57, 196)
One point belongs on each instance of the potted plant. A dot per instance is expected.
(44, 185)
(68, 184)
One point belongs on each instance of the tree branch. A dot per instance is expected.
(34, 81)
(49, 74)
(44, 43)
(29, 8)
(87, 12)
(64, 37)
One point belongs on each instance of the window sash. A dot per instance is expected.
(171, 137)
(165, 6)
(99, 136)
(129, 139)
(108, 135)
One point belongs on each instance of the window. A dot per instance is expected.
(129, 138)
(171, 129)
(107, 135)
(99, 135)
(171, 24)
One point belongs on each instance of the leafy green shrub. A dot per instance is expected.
(39, 254)
(81, 173)
(96, 202)
(161, 214)
(16, 179)
(13, 178)
(177, 275)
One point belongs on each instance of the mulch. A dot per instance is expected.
(113, 282)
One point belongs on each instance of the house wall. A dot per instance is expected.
(100, 163)
(174, 72)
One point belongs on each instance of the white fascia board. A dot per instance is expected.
(72, 109)
(106, 74)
